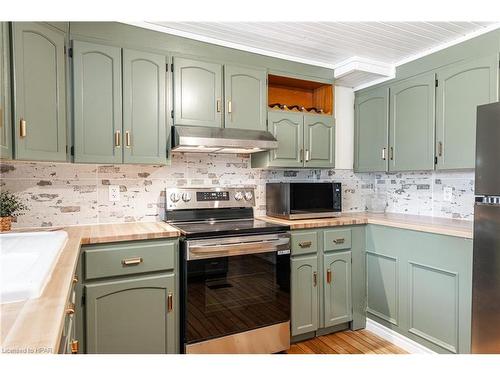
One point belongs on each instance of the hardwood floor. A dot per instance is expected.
(346, 342)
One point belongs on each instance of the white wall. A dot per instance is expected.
(344, 134)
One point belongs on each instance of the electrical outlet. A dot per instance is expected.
(447, 194)
(114, 193)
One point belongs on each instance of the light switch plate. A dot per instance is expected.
(447, 194)
(114, 193)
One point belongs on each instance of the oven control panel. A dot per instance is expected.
(193, 198)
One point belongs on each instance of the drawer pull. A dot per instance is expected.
(75, 279)
(132, 261)
(70, 310)
(305, 244)
(339, 241)
(170, 302)
(75, 345)
(329, 276)
(315, 278)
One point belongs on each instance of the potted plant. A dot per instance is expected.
(10, 206)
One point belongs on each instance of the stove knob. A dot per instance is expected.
(248, 195)
(186, 197)
(174, 197)
(238, 196)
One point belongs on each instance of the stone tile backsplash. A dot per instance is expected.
(71, 194)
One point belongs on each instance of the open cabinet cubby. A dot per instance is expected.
(297, 92)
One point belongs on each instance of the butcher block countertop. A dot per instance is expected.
(449, 227)
(35, 325)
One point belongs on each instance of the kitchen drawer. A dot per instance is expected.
(337, 239)
(128, 258)
(304, 243)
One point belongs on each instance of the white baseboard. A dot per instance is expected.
(396, 338)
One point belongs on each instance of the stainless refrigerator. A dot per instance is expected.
(486, 265)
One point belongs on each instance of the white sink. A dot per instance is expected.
(26, 262)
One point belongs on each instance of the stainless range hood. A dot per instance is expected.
(222, 141)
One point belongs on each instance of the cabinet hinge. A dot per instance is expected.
(437, 83)
(435, 160)
(72, 150)
(172, 67)
(167, 68)
(172, 113)
(70, 52)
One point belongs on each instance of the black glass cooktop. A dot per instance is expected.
(228, 227)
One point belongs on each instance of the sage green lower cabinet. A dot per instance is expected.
(304, 280)
(461, 88)
(39, 92)
(5, 120)
(420, 285)
(411, 119)
(97, 96)
(144, 102)
(337, 288)
(319, 142)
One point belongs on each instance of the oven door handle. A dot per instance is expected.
(217, 250)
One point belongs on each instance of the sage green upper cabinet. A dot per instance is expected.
(144, 121)
(197, 93)
(411, 117)
(461, 88)
(5, 125)
(337, 288)
(371, 131)
(319, 141)
(288, 129)
(39, 92)
(131, 316)
(304, 276)
(245, 95)
(97, 103)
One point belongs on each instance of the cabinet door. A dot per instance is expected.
(288, 128)
(97, 103)
(371, 131)
(304, 280)
(40, 92)
(412, 124)
(319, 141)
(461, 88)
(5, 123)
(130, 316)
(144, 122)
(197, 93)
(337, 288)
(245, 93)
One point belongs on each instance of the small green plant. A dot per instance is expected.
(10, 205)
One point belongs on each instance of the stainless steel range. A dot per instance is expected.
(235, 273)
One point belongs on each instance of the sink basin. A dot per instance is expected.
(26, 262)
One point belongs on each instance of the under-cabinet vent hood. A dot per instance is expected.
(222, 141)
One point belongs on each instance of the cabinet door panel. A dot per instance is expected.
(371, 131)
(5, 121)
(97, 102)
(462, 87)
(197, 92)
(319, 142)
(246, 90)
(412, 124)
(304, 294)
(130, 316)
(289, 131)
(144, 122)
(337, 288)
(40, 92)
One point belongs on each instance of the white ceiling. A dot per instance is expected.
(330, 44)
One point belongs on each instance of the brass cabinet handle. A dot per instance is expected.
(305, 244)
(315, 278)
(392, 153)
(383, 153)
(70, 310)
(117, 138)
(75, 279)
(170, 302)
(22, 128)
(301, 155)
(74, 346)
(229, 106)
(219, 105)
(329, 276)
(127, 138)
(132, 261)
(307, 155)
(440, 148)
(339, 241)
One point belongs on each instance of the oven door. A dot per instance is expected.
(234, 285)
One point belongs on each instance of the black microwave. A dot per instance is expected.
(304, 200)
